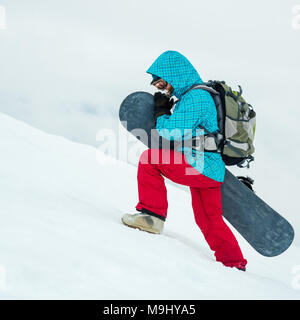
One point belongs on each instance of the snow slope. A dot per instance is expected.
(61, 234)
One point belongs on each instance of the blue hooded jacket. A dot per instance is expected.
(194, 108)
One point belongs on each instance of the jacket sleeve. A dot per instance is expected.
(182, 122)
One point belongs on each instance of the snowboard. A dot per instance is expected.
(263, 228)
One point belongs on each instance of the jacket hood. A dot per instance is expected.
(176, 69)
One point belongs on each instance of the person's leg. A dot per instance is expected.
(151, 186)
(153, 202)
(154, 165)
(207, 208)
(206, 200)
(199, 213)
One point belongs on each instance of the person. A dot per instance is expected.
(203, 172)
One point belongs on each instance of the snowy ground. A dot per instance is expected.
(61, 234)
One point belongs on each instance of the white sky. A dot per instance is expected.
(66, 65)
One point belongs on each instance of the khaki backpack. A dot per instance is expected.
(236, 121)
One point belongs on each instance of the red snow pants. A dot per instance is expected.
(154, 165)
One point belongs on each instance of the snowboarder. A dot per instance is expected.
(203, 172)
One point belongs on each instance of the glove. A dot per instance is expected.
(163, 105)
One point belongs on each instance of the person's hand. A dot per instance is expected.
(163, 101)
(163, 105)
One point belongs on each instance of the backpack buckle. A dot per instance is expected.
(247, 160)
(198, 143)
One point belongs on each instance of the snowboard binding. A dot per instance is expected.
(247, 181)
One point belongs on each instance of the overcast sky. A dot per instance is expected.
(65, 65)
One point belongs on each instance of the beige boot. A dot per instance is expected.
(143, 221)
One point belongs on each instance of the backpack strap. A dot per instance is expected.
(204, 87)
(213, 141)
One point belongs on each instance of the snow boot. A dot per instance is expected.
(144, 222)
(242, 269)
